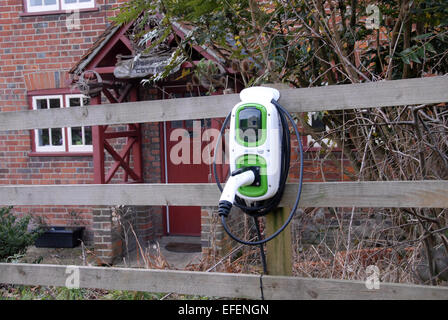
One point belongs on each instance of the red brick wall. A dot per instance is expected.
(35, 53)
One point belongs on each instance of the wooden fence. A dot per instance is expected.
(212, 284)
(336, 194)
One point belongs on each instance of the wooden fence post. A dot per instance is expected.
(279, 249)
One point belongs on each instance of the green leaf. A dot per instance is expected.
(422, 36)
(429, 47)
(406, 51)
(406, 59)
(414, 57)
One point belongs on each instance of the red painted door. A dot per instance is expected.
(183, 143)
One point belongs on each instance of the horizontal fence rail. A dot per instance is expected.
(338, 97)
(370, 194)
(211, 284)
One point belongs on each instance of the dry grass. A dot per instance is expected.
(347, 256)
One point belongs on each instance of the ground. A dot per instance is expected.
(84, 255)
(63, 256)
(156, 257)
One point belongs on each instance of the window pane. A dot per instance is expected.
(55, 103)
(77, 136)
(189, 123)
(35, 3)
(206, 123)
(88, 135)
(74, 102)
(56, 137)
(42, 5)
(176, 124)
(43, 137)
(41, 104)
(77, 4)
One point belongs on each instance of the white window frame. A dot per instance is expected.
(59, 6)
(73, 147)
(77, 5)
(42, 7)
(49, 148)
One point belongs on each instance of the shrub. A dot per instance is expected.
(14, 234)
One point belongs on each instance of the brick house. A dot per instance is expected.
(45, 51)
(40, 40)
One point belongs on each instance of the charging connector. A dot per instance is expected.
(241, 177)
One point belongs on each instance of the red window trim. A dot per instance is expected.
(25, 12)
(47, 92)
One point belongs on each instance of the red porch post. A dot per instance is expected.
(137, 148)
(98, 148)
(122, 158)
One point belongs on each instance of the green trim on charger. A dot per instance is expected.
(249, 160)
(260, 141)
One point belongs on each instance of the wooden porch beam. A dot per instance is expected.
(104, 70)
(110, 96)
(121, 134)
(119, 160)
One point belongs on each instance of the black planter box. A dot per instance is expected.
(60, 237)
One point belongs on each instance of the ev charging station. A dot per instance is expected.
(259, 154)
(255, 146)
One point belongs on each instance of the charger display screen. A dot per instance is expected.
(250, 124)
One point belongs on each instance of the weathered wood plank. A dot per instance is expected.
(277, 288)
(365, 95)
(210, 284)
(279, 250)
(367, 194)
(164, 281)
